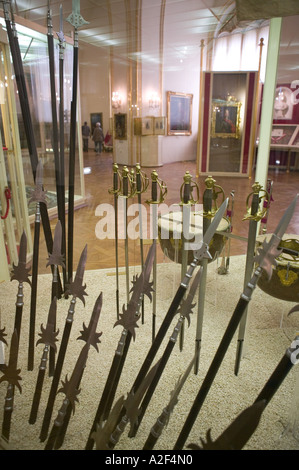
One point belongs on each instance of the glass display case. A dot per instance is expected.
(35, 60)
(226, 122)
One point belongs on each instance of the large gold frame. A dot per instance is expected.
(179, 113)
(218, 109)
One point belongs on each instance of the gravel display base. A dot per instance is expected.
(270, 331)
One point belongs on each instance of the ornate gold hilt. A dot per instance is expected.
(127, 186)
(159, 189)
(254, 211)
(186, 190)
(116, 180)
(212, 191)
(142, 180)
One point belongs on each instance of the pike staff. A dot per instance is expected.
(26, 115)
(185, 311)
(241, 429)
(20, 274)
(265, 259)
(114, 191)
(55, 139)
(77, 290)
(38, 196)
(187, 200)
(154, 202)
(10, 375)
(85, 334)
(48, 337)
(254, 215)
(142, 183)
(128, 321)
(164, 417)
(56, 258)
(70, 387)
(200, 251)
(131, 405)
(76, 20)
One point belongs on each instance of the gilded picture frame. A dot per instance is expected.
(179, 113)
(159, 125)
(147, 125)
(226, 119)
(120, 126)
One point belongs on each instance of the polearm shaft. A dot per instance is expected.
(26, 115)
(39, 196)
(20, 274)
(114, 191)
(182, 289)
(10, 375)
(76, 20)
(77, 290)
(48, 338)
(252, 232)
(86, 333)
(56, 258)
(154, 202)
(185, 311)
(55, 139)
(265, 259)
(71, 387)
(241, 429)
(163, 419)
(288, 360)
(128, 320)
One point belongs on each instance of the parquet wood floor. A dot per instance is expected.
(101, 253)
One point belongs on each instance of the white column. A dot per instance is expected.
(268, 102)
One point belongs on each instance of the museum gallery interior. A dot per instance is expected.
(149, 278)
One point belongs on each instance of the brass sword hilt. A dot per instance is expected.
(261, 211)
(127, 183)
(186, 190)
(159, 189)
(116, 180)
(142, 180)
(215, 191)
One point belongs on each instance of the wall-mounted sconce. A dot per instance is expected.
(154, 100)
(116, 101)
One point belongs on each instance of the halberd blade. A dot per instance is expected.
(10, 372)
(48, 335)
(286, 218)
(215, 222)
(76, 288)
(20, 272)
(202, 251)
(57, 258)
(89, 334)
(69, 387)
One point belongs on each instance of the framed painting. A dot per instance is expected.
(147, 125)
(179, 113)
(94, 118)
(226, 119)
(120, 126)
(283, 106)
(159, 125)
